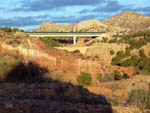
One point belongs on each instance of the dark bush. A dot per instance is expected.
(28, 73)
(117, 75)
(112, 52)
(125, 75)
(141, 53)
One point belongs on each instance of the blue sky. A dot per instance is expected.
(30, 14)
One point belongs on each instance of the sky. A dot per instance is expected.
(28, 14)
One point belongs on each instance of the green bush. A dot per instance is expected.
(50, 42)
(112, 52)
(113, 40)
(96, 56)
(119, 56)
(99, 77)
(140, 97)
(141, 64)
(84, 79)
(117, 75)
(110, 77)
(141, 53)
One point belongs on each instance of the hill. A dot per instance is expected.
(83, 26)
(52, 27)
(131, 20)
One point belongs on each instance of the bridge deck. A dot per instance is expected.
(65, 33)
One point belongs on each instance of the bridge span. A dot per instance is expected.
(66, 34)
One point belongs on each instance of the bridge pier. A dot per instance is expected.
(74, 40)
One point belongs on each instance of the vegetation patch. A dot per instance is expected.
(50, 42)
(117, 75)
(121, 55)
(140, 63)
(14, 69)
(140, 98)
(7, 63)
(9, 29)
(112, 52)
(84, 79)
(99, 77)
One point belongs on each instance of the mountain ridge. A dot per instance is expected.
(127, 21)
(131, 20)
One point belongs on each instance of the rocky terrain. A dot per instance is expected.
(131, 20)
(52, 27)
(50, 97)
(122, 23)
(55, 92)
(24, 88)
(83, 26)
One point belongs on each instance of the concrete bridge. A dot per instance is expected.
(67, 34)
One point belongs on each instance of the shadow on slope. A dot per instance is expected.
(35, 94)
(26, 73)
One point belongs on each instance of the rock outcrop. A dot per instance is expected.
(52, 27)
(122, 23)
(84, 26)
(130, 20)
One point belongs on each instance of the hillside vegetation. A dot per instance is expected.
(140, 62)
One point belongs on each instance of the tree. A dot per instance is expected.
(117, 75)
(84, 79)
(112, 52)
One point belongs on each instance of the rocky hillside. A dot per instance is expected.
(52, 27)
(84, 26)
(133, 21)
(95, 26)
(124, 22)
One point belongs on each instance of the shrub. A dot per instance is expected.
(50, 42)
(125, 75)
(110, 77)
(141, 53)
(76, 51)
(117, 75)
(99, 77)
(7, 63)
(119, 56)
(84, 79)
(9, 29)
(112, 52)
(96, 56)
(104, 39)
(140, 97)
(113, 40)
